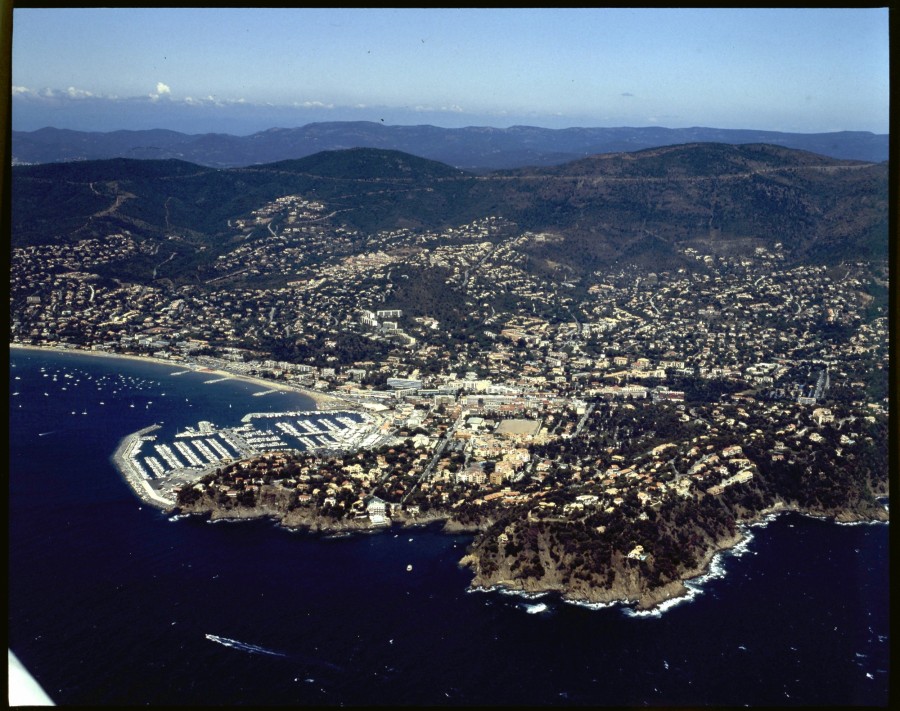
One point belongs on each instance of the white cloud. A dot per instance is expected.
(26, 93)
(454, 108)
(74, 93)
(312, 105)
(208, 100)
(161, 90)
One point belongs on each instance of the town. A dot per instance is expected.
(506, 392)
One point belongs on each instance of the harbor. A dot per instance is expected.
(126, 460)
(156, 469)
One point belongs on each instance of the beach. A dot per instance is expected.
(322, 400)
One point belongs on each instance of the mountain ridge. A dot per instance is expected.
(475, 148)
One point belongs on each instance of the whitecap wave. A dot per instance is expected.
(242, 646)
(765, 520)
(503, 590)
(658, 610)
(535, 609)
(744, 545)
(521, 593)
(716, 570)
(593, 605)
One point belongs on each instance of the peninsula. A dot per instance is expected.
(603, 369)
(542, 521)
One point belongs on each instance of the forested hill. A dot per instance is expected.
(629, 206)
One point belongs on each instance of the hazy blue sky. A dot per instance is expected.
(243, 70)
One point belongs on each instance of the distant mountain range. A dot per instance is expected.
(477, 149)
(628, 207)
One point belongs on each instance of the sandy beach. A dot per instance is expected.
(120, 458)
(322, 400)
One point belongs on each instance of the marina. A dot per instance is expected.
(156, 469)
(794, 614)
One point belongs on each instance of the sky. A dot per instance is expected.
(234, 70)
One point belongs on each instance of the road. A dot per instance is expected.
(474, 267)
(171, 257)
(581, 422)
(438, 451)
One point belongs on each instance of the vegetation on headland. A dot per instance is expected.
(590, 534)
(697, 333)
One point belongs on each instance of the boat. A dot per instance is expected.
(408, 568)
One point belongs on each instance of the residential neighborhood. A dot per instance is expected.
(558, 397)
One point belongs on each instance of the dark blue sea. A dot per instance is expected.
(113, 602)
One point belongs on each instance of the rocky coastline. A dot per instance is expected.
(306, 519)
(631, 588)
(628, 588)
(543, 566)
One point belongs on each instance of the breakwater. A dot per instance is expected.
(123, 458)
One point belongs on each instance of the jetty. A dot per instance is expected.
(157, 470)
(134, 474)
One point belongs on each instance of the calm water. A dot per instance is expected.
(112, 602)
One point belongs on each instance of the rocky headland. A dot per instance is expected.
(517, 551)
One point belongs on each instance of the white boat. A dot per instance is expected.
(408, 568)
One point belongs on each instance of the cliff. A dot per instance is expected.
(275, 504)
(632, 554)
(587, 564)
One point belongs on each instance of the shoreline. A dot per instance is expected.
(629, 593)
(321, 399)
(138, 483)
(307, 522)
(657, 600)
(141, 487)
(650, 602)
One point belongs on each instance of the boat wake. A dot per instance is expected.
(242, 646)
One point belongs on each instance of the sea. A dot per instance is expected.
(114, 602)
